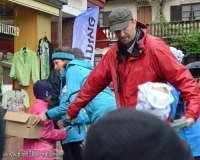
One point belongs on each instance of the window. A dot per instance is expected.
(191, 12)
(103, 19)
(185, 12)
(97, 58)
(175, 13)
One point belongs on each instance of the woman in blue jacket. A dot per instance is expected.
(190, 134)
(74, 70)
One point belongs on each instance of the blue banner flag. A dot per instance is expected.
(84, 32)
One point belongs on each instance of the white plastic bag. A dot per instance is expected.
(155, 98)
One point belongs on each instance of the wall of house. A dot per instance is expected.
(80, 4)
(67, 30)
(75, 7)
(166, 10)
(111, 5)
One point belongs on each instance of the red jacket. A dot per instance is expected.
(156, 63)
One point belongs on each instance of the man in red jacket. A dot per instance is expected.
(136, 58)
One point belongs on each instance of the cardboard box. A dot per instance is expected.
(20, 125)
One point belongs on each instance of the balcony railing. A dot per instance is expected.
(162, 30)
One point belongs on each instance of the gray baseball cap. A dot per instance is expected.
(119, 18)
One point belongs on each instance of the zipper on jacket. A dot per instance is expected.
(118, 71)
(118, 75)
(71, 95)
(79, 130)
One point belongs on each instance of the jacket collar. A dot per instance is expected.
(23, 55)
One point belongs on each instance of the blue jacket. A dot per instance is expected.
(75, 73)
(79, 129)
(190, 134)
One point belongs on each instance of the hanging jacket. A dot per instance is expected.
(49, 135)
(24, 65)
(150, 61)
(190, 134)
(45, 50)
(76, 72)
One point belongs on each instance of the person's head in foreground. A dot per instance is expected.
(128, 134)
(122, 23)
(42, 90)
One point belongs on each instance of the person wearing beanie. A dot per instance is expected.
(75, 72)
(191, 134)
(47, 142)
(128, 134)
(54, 80)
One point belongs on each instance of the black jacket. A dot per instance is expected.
(54, 80)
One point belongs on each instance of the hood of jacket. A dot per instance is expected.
(81, 63)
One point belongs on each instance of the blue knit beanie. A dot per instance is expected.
(42, 89)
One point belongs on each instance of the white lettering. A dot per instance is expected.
(15, 31)
(2, 29)
(8, 29)
(90, 46)
(5, 29)
(18, 31)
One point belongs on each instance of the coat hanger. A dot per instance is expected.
(24, 48)
(16, 89)
(45, 38)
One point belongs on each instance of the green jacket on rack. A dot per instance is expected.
(24, 65)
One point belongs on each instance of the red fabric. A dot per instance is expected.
(7, 46)
(49, 136)
(155, 64)
(101, 36)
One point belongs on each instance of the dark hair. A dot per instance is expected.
(63, 49)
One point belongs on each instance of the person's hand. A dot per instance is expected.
(60, 124)
(190, 121)
(72, 120)
(40, 119)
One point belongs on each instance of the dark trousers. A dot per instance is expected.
(72, 151)
(197, 158)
